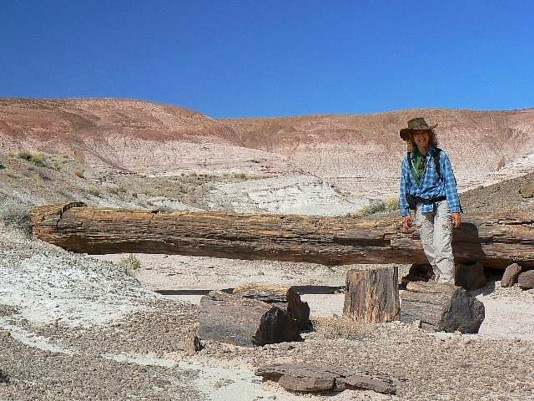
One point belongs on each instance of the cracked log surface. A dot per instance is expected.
(496, 240)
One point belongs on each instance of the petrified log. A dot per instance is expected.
(372, 295)
(313, 379)
(441, 307)
(283, 297)
(495, 240)
(247, 322)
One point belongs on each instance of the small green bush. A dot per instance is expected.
(373, 207)
(35, 158)
(25, 155)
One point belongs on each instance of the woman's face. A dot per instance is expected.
(421, 139)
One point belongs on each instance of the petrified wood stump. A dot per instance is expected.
(372, 295)
(441, 307)
(246, 322)
(496, 240)
(283, 297)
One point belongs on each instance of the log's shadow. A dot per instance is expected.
(300, 289)
(471, 250)
(488, 289)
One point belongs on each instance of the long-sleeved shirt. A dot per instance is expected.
(430, 186)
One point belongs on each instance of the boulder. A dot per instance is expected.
(441, 307)
(470, 276)
(526, 280)
(286, 298)
(245, 322)
(509, 278)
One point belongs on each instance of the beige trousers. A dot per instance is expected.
(435, 230)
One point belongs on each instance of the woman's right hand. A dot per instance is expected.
(406, 222)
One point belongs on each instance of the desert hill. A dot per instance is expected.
(125, 134)
(355, 150)
(133, 153)
(67, 317)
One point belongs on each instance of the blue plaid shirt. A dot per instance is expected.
(430, 186)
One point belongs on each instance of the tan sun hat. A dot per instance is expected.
(415, 124)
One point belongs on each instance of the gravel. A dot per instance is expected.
(74, 327)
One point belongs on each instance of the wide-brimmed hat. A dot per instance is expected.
(415, 124)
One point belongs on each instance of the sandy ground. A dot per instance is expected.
(74, 327)
(509, 311)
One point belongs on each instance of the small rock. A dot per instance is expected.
(510, 275)
(526, 280)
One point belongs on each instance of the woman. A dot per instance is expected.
(429, 186)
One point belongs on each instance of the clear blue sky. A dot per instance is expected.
(272, 57)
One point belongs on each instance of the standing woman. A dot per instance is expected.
(428, 186)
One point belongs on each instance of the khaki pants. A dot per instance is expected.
(435, 230)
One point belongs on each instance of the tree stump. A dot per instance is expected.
(246, 322)
(441, 307)
(372, 295)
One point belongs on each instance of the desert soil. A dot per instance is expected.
(77, 327)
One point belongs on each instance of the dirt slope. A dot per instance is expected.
(103, 149)
(357, 150)
(126, 134)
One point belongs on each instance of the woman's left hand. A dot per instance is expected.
(456, 219)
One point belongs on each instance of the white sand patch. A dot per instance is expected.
(57, 287)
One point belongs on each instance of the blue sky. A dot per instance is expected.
(230, 58)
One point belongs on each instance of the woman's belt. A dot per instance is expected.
(418, 199)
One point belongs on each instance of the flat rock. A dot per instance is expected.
(314, 379)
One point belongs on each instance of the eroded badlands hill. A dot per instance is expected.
(129, 135)
(358, 151)
(134, 153)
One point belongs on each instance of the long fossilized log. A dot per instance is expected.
(495, 240)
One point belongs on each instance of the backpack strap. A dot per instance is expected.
(435, 156)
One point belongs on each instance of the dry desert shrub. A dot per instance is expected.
(130, 262)
(378, 206)
(15, 213)
(79, 172)
(392, 203)
(342, 327)
(35, 158)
